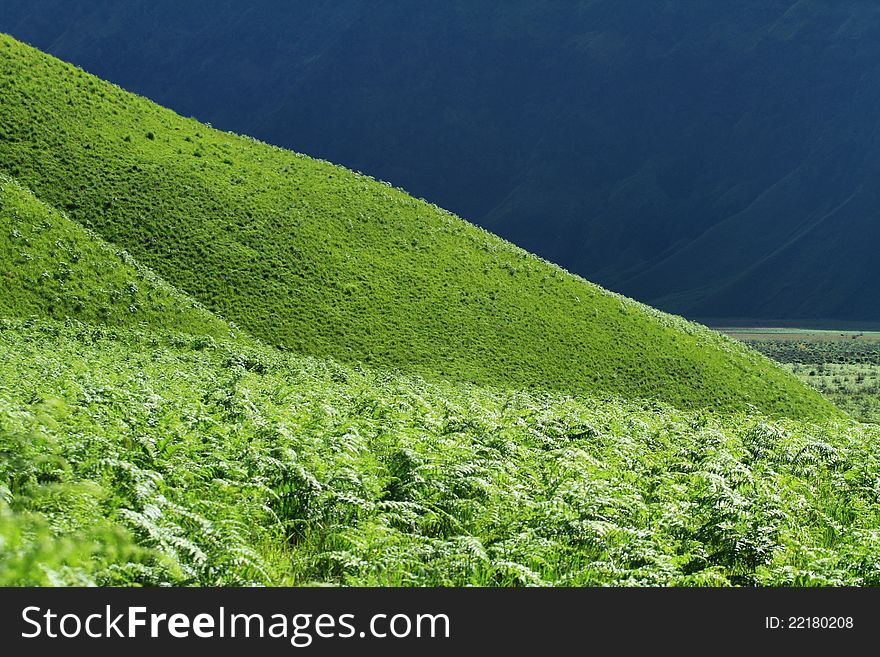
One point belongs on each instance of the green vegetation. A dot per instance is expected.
(715, 159)
(853, 388)
(130, 457)
(54, 268)
(843, 366)
(316, 259)
(458, 412)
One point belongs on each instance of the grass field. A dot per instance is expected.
(54, 268)
(842, 365)
(805, 335)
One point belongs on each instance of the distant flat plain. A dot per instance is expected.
(844, 365)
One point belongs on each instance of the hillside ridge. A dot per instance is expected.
(53, 268)
(662, 148)
(311, 257)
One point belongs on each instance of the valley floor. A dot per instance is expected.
(842, 365)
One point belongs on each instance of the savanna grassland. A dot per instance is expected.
(843, 365)
(222, 363)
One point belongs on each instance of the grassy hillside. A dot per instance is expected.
(54, 268)
(144, 458)
(716, 159)
(314, 258)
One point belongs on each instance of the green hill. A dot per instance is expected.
(54, 268)
(713, 159)
(314, 258)
(134, 450)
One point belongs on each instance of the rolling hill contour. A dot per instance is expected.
(308, 256)
(712, 159)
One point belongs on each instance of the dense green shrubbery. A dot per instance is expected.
(312, 257)
(815, 350)
(129, 457)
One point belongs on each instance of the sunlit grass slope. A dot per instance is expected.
(323, 261)
(51, 267)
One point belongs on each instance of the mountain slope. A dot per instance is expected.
(314, 258)
(679, 152)
(50, 267)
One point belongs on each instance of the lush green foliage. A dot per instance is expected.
(326, 262)
(514, 425)
(130, 457)
(54, 268)
(853, 388)
(819, 349)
